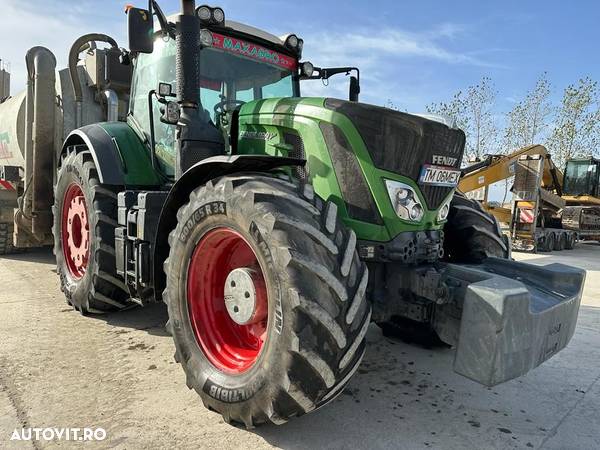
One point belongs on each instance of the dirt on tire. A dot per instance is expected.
(318, 313)
(99, 290)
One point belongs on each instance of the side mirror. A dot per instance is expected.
(140, 30)
(354, 89)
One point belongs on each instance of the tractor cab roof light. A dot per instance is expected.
(218, 16)
(293, 43)
(207, 14)
(204, 13)
(307, 69)
(206, 38)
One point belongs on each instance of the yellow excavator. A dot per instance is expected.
(549, 210)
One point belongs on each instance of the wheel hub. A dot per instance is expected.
(241, 296)
(75, 231)
(227, 300)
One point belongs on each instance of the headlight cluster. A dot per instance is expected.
(443, 212)
(211, 15)
(405, 201)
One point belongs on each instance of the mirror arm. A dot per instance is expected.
(326, 73)
(165, 26)
(152, 94)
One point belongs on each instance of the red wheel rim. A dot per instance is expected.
(230, 346)
(75, 231)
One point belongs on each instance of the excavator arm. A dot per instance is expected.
(500, 167)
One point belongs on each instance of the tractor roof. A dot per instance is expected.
(242, 28)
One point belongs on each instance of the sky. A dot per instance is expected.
(410, 53)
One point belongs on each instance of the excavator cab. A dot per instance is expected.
(582, 177)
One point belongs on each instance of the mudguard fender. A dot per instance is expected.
(195, 176)
(120, 156)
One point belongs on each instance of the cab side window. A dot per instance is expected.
(150, 69)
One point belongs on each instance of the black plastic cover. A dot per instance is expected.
(357, 196)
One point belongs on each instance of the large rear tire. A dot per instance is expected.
(303, 336)
(471, 234)
(84, 237)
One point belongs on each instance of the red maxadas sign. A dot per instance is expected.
(253, 51)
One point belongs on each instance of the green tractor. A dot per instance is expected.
(276, 228)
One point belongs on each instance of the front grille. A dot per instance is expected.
(402, 143)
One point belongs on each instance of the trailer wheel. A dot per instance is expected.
(266, 299)
(6, 239)
(84, 226)
(549, 242)
(471, 234)
(560, 242)
(570, 241)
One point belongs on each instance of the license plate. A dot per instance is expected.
(439, 176)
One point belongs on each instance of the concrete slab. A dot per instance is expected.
(58, 368)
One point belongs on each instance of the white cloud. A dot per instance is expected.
(379, 53)
(53, 25)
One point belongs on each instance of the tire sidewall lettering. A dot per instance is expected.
(268, 257)
(206, 210)
(195, 225)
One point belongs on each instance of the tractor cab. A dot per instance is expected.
(238, 64)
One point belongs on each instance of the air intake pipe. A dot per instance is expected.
(39, 138)
(198, 138)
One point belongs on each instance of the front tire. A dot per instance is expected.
(84, 237)
(299, 350)
(471, 234)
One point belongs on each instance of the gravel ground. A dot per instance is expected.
(60, 369)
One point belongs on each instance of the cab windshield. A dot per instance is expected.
(581, 178)
(233, 72)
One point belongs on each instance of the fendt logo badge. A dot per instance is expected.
(444, 160)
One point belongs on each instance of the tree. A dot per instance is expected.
(455, 109)
(473, 113)
(577, 126)
(527, 122)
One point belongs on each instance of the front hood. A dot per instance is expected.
(402, 143)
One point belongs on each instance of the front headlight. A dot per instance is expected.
(405, 201)
(445, 209)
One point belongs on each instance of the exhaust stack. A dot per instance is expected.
(4, 81)
(197, 139)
